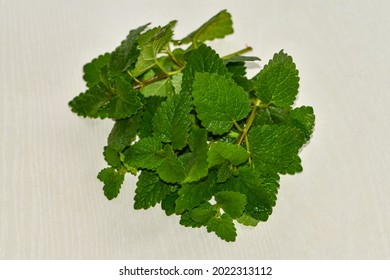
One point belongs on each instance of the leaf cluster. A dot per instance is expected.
(206, 142)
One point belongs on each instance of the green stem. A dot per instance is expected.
(247, 49)
(238, 127)
(248, 122)
(174, 59)
(247, 149)
(150, 81)
(161, 67)
(135, 79)
(218, 208)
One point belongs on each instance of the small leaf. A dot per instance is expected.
(247, 220)
(271, 115)
(126, 54)
(185, 220)
(99, 102)
(112, 157)
(171, 122)
(124, 132)
(203, 213)
(232, 203)
(260, 193)
(145, 153)
(168, 204)
(125, 101)
(91, 103)
(159, 88)
(151, 105)
(193, 194)
(220, 152)
(112, 182)
(171, 169)
(93, 70)
(152, 47)
(218, 26)
(150, 190)
(223, 227)
(196, 163)
(302, 118)
(293, 167)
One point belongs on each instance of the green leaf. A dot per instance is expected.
(247, 220)
(150, 190)
(112, 182)
(176, 82)
(172, 169)
(91, 103)
(124, 132)
(172, 121)
(278, 82)
(203, 213)
(168, 204)
(193, 194)
(273, 147)
(302, 118)
(99, 102)
(196, 163)
(236, 68)
(125, 101)
(148, 56)
(220, 152)
(112, 157)
(150, 109)
(223, 227)
(219, 101)
(232, 203)
(271, 115)
(260, 193)
(126, 54)
(159, 88)
(93, 70)
(185, 220)
(145, 153)
(225, 170)
(218, 26)
(293, 167)
(202, 59)
(199, 216)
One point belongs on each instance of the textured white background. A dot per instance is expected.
(52, 205)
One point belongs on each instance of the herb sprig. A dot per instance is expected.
(207, 142)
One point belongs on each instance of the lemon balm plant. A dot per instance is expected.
(206, 142)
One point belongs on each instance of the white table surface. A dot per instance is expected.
(52, 205)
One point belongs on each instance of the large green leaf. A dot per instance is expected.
(219, 101)
(273, 148)
(278, 82)
(171, 122)
(218, 26)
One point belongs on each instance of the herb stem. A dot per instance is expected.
(247, 49)
(135, 79)
(248, 122)
(238, 127)
(174, 59)
(150, 81)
